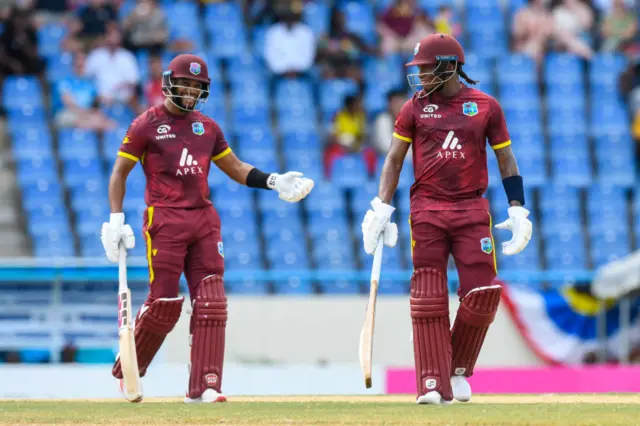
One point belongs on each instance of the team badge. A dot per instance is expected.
(198, 128)
(220, 249)
(486, 245)
(416, 49)
(470, 108)
(195, 68)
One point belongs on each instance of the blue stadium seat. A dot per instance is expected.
(293, 285)
(518, 68)
(572, 170)
(340, 286)
(41, 192)
(292, 93)
(360, 19)
(316, 14)
(21, 92)
(605, 68)
(325, 194)
(562, 68)
(77, 172)
(349, 171)
(609, 247)
(34, 169)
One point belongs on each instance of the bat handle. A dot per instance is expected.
(377, 259)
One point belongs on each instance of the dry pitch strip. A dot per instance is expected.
(578, 409)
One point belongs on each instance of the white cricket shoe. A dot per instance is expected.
(208, 396)
(461, 388)
(432, 397)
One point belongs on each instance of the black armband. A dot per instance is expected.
(514, 188)
(258, 179)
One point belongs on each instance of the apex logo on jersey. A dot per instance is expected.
(451, 148)
(198, 128)
(195, 68)
(486, 246)
(430, 112)
(220, 249)
(163, 132)
(470, 108)
(188, 166)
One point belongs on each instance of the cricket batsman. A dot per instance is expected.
(447, 124)
(176, 144)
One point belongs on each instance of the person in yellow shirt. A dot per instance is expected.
(349, 134)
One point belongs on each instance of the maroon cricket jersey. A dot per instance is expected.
(176, 153)
(448, 137)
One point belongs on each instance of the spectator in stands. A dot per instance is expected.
(349, 134)
(402, 26)
(90, 25)
(618, 27)
(383, 124)
(340, 51)
(290, 46)
(78, 100)
(575, 17)
(446, 22)
(534, 27)
(19, 45)
(153, 88)
(146, 27)
(115, 70)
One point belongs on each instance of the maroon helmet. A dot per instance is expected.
(439, 50)
(190, 67)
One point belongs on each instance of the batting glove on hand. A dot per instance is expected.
(291, 186)
(113, 232)
(378, 221)
(520, 226)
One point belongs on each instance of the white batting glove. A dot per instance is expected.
(113, 232)
(520, 226)
(376, 221)
(291, 186)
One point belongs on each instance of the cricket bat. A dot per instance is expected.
(365, 348)
(132, 386)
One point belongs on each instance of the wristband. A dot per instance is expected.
(258, 179)
(514, 189)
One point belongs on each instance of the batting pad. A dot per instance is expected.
(431, 334)
(153, 324)
(208, 323)
(476, 313)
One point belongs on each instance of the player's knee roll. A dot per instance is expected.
(210, 304)
(429, 294)
(480, 305)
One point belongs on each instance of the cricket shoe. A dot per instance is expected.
(432, 397)
(208, 396)
(124, 393)
(461, 388)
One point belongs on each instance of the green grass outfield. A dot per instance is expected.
(544, 410)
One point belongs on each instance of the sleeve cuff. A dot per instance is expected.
(129, 156)
(402, 138)
(501, 145)
(221, 155)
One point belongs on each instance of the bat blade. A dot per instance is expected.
(131, 384)
(365, 347)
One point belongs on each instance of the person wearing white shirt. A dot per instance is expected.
(115, 71)
(290, 46)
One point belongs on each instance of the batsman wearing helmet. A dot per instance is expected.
(447, 125)
(176, 144)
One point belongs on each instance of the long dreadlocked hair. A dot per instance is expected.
(465, 77)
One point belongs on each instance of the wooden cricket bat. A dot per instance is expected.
(365, 348)
(132, 388)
